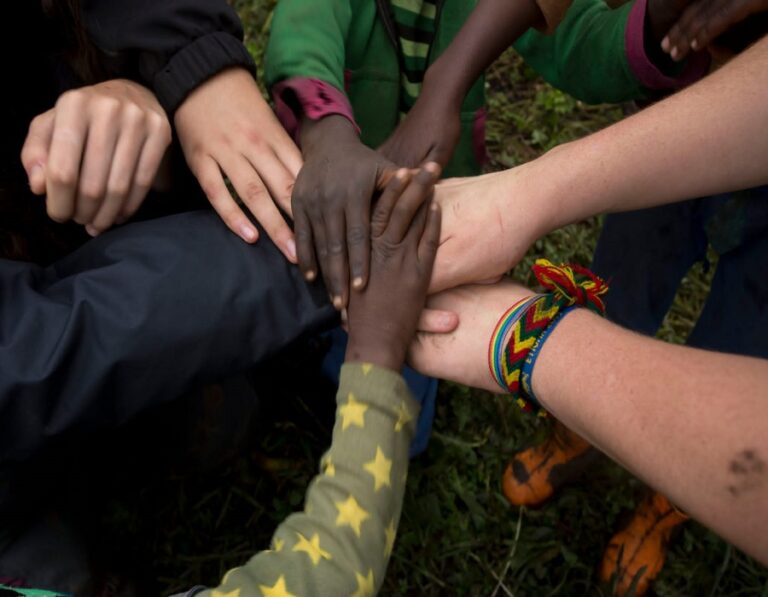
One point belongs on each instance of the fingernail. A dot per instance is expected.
(91, 230)
(674, 53)
(432, 167)
(310, 276)
(665, 44)
(291, 247)
(401, 174)
(248, 233)
(344, 316)
(695, 44)
(337, 302)
(357, 282)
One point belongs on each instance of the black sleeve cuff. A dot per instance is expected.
(196, 63)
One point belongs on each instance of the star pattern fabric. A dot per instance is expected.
(312, 548)
(341, 542)
(380, 468)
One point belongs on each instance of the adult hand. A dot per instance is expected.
(428, 133)
(227, 129)
(97, 152)
(405, 230)
(489, 222)
(462, 356)
(332, 204)
(704, 20)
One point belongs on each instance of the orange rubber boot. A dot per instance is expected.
(534, 474)
(635, 555)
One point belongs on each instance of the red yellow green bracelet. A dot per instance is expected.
(525, 326)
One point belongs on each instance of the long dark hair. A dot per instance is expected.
(82, 56)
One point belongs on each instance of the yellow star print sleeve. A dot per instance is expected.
(340, 544)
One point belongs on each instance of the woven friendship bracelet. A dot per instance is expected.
(501, 334)
(568, 286)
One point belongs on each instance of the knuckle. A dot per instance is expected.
(61, 174)
(91, 191)
(335, 247)
(253, 191)
(133, 115)
(357, 235)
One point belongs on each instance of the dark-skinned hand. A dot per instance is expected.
(405, 233)
(702, 21)
(331, 204)
(428, 133)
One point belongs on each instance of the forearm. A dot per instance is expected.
(677, 149)
(689, 422)
(342, 540)
(491, 28)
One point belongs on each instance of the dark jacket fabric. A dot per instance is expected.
(173, 45)
(135, 318)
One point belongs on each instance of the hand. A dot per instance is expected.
(462, 356)
(405, 229)
(704, 20)
(489, 222)
(96, 153)
(332, 204)
(227, 129)
(429, 133)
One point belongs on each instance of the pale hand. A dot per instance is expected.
(462, 355)
(226, 128)
(97, 152)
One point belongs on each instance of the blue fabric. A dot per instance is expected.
(423, 388)
(644, 255)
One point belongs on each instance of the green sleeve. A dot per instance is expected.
(308, 40)
(586, 55)
(340, 544)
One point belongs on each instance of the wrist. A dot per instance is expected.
(380, 354)
(329, 131)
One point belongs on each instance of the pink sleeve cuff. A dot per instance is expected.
(647, 73)
(317, 99)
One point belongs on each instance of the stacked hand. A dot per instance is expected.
(227, 129)
(97, 152)
(405, 231)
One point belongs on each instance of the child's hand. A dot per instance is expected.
(332, 204)
(429, 133)
(97, 152)
(704, 20)
(405, 230)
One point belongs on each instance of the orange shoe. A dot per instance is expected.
(534, 474)
(635, 555)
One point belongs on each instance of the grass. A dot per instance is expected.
(458, 535)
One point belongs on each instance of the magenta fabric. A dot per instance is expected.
(646, 72)
(318, 99)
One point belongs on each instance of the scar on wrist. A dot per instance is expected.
(747, 471)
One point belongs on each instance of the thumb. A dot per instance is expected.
(34, 153)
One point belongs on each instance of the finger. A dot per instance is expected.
(430, 238)
(275, 176)
(120, 185)
(717, 19)
(259, 202)
(305, 250)
(211, 181)
(151, 157)
(66, 152)
(414, 196)
(359, 242)
(97, 162)
(386, 203)
(288, 153)
(437, 321)
(34, 153)
(336, 266)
